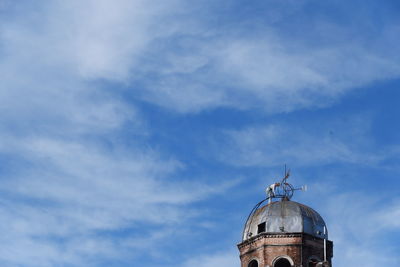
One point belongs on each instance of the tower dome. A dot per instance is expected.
(284, 233)
(285, 217)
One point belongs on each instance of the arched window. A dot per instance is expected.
(253, 263)
(282, 262)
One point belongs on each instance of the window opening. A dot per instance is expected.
(253, 263)
(261, 228)
(282, 262)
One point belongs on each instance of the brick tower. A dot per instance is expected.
(284, 233)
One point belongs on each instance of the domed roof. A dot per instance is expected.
(285, 217)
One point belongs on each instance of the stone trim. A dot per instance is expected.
(276, 235)
(268, 235)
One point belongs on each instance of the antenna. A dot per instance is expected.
(285, 171)
(283, 189)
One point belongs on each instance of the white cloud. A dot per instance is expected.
(65, 188)
(389, 217)
(219, 259)
(91, 39)
(73, 178)
(346, 141)
(357, 224)
(167, 55)
(74, 192)
(266, 72)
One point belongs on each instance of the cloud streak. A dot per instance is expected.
(80, 175)
(300, 144)
(74, 181)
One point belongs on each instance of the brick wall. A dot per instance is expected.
(267, 247)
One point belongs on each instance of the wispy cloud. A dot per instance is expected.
(266, 69)
(76, 193)
(79, 174)
(75, 181)
(357, 224)
(167, 55)
(219, 259)
(346, 141)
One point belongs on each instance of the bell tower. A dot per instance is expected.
(284, 233)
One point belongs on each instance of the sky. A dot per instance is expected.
(143, 132)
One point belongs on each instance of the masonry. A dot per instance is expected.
(298, 248)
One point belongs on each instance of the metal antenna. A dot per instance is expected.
(282, 190)
(284, 175)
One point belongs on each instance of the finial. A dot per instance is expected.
(282, 189)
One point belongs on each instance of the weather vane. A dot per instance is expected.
(283, 189)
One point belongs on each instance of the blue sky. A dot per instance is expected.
(140, 132)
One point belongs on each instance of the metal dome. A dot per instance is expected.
(285, 217)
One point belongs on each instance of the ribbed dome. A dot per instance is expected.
(285, 217)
